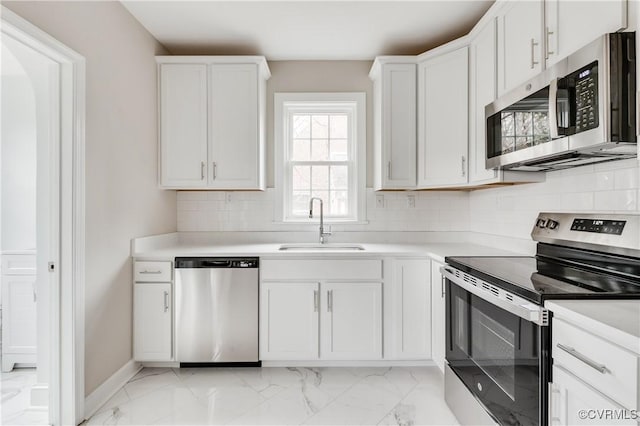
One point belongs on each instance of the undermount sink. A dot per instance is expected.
(315, 246)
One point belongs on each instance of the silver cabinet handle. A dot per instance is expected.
(166, 301)
(549, 51)
(202, 170)
(571, 351)
(33, 289)
(215, 170)
(462, 164)
(316, 300)
(442, 285)
(388, 169)
(533, 48)
(330, 301)
(150, 272)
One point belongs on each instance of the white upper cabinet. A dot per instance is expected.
(183, 125)
(569, 25)
(483, 80)
(394, 115)
(520, 43)
(443, 118)
(212, 122)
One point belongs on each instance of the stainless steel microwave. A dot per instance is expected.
(580, 111)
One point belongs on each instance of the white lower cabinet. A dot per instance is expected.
(573, 402)
(351, 321)
(18, 320)
(152, 314)
(411, 297)
(329, 320)
(438, 303)
(289, 321)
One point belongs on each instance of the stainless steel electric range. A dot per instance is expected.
(498, 333)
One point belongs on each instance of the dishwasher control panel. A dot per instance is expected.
(216, 262)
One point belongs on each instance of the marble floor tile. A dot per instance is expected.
(279, 396)
(15, 398)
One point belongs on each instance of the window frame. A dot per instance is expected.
(351, 103)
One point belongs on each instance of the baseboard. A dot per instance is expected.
(106, 390)
(334, 363)
(40, 395)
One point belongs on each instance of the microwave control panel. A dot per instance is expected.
(586, 101)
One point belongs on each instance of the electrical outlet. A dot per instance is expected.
(227, 197)
(411, 201)
(380, 201)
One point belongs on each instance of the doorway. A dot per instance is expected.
(41, 225)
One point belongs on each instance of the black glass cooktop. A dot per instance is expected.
(541, 278)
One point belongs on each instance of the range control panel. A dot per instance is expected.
(599, 226)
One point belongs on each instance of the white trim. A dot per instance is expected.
(109, 387)
(366, 363)
(66, 404)
(352, 103)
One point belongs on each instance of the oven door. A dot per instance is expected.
(498, 355)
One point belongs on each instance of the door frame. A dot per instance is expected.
(66, 391)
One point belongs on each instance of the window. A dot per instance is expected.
(320, 140)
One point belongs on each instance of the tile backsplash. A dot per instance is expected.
(611, 187)
(254, 211)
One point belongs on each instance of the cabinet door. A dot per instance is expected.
(234, 154)
(289, 321)
(19, 314)
(572, 24)
(483, 92)
(443, 142)
(437, 315)
(412, 288)
(569, 396)
(152, 322)
(398, 126)
(183, 125)
(519, 43)
(351, 321)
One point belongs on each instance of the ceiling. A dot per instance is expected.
(306, 29)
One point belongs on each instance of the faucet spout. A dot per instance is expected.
(322, 232)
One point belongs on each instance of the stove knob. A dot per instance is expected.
(541, 223)
(552, 224)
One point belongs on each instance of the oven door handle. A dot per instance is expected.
(525, 310)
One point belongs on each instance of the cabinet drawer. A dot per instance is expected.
(321, 269)
(19, 264)
(619, 378)
(152, 271)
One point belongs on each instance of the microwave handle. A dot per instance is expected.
(553, 109)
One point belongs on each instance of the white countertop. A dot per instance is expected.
(616, 320)
(437, 251)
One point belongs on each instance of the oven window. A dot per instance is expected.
(493, 350)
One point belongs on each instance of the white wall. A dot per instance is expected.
(18, 154)
(509, 212)
(123, 200)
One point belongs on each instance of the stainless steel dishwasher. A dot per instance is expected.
(216, 310)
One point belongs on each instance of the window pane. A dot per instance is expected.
(339, 177)
(339, 203)
(324, 195)
(301, 177)
(320, 150)
(320, 126)
(338, 127)
(301, 150)
(338, 148)
(320, 177)
(301, 126)
(300, 203)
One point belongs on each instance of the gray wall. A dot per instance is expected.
(319, 76)
(122, 198)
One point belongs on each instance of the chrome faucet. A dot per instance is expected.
(322, 233)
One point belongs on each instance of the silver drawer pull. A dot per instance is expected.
(150, 272)
(571, 351)
(166, 301)
(316, 300)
